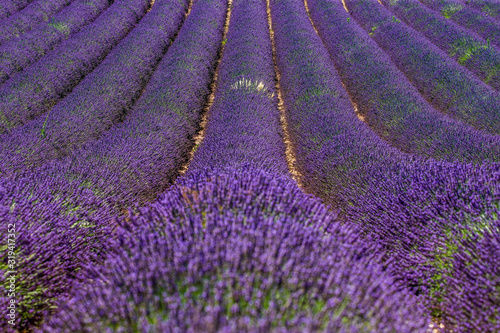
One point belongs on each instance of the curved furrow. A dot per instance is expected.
(9, 7)
(458, 12)
(446, 85)
(19, 53)
(39, 87)
(387, 100)
(29, 17)
(50, 247)
(102, 98)
(243, 126)
(463, 45)
(420, 210)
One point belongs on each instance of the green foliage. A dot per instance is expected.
(451, 9)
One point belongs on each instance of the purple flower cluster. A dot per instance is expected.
(40, 86)
(234, 245)
(29, 17)
(477, 257)
(19, 53)
(103, 97)
(385, 98)
(9, 7)
(445, 84)
(469, 49)
(48, 248)
(257, 265)
(411, 206)
(458, 12)
(243, 123)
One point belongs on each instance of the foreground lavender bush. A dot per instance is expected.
(51, 245)
(274, 259)
(28, 18)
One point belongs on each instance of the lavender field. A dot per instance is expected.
(250, 166)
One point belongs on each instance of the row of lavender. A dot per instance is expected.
(114, 85)
(445, 84)
(389, 103)
(227, 246)
(424, 212)
(37, 88)
(130, 162)
(18, 54)
(87, 188)
(10, 7)
(463, 45)
(467, 17)
(28, 18)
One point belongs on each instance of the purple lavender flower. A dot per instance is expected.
(273, 259)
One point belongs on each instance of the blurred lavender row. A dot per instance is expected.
(446, 85)
(39, 87)
(418, 210)
(9, 7)
(387, 101)
(243, 123)
(18, 54)
(488, 7)
(469, 49)
(458, 12)
(272, 260)
(102, 98)
(29, 17)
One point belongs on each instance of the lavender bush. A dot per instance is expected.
(29, 17)
(263, 263)
(51, 244)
